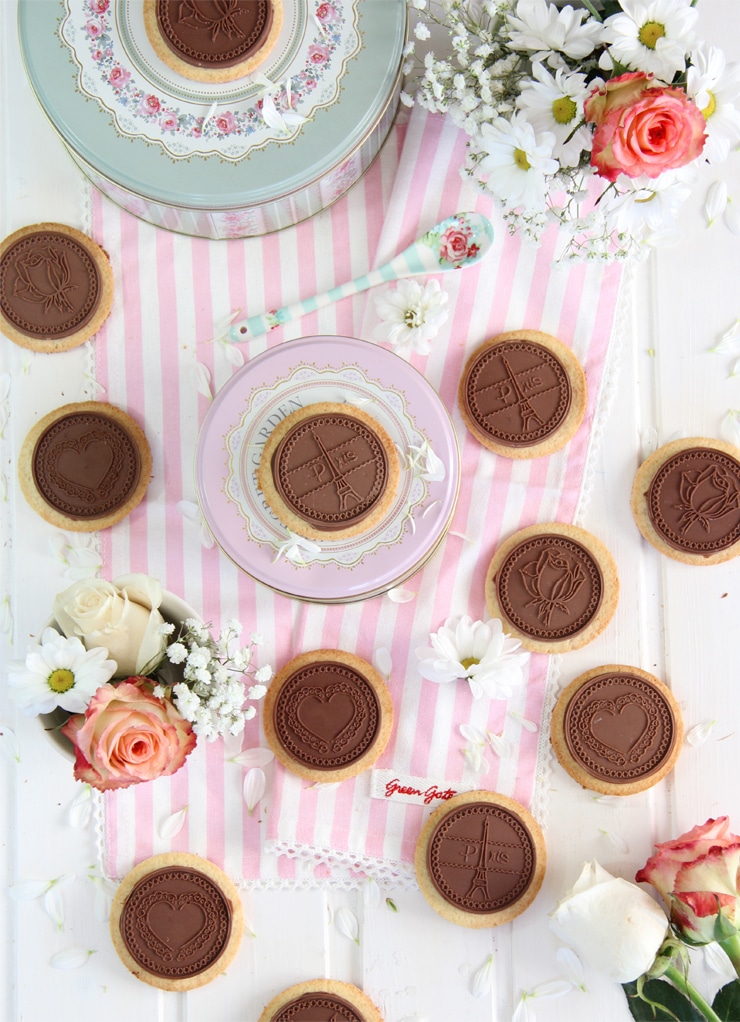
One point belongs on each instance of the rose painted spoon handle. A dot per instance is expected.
(458, 241)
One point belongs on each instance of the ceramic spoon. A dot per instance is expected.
(460, 240)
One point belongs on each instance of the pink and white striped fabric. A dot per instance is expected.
(152, 360)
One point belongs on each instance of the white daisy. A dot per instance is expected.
(539, 26)
(652, 35)
(554, 103)
(715, 88)
(414, 312)
(59, 672)
(648, 206)
(517, 161)
(479, 651)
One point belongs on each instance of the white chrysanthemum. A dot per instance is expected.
(539, 26)
(644, 206)
(652, 35)
(479, 651)
(517, 162)
(715, 88)
(554, 103)
(59, 672)
(415, 313)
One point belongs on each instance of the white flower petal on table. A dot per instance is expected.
(699, 733)
(528, 725)
(9, 746)
(371, 894)
(572, 966)
(615, 840)
(254, 787)
(173, 824)
(80, 809)
(28, 890)
(71, 958)
(346, 922)
(254, 757)
(203, 380)
(209, 116)
(54, 906)
(500, 746)
(481, 980)
(715, 202)
(191, 512)
(400, 595)
(731, 217)
(382, 661)
(729, 342)
(6, 615)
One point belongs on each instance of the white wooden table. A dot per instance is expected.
(678, 622)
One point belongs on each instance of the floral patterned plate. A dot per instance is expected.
(303, 372)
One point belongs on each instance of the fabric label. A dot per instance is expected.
(421, 791)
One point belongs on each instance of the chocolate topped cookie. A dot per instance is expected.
(327, 715)
(176, 921)
(555, 585)
(321, 1000)
(617, 730)
(480, 859)
(329, 471)
(56, 287)
(522, 394)
(85, 466)
(211, 41)
(686, 500)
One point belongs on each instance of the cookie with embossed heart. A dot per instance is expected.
(176, 921)
(329, 471)
(327, 715)
(56, 287)
(617, 729)
(522, 394)
(321, 1000)
(85, 466)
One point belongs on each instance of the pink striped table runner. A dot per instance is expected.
(155, 358)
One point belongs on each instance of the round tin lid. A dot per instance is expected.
(309, 371)
(139, 124)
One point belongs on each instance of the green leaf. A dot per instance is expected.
(727, 1002)
(660, 1002)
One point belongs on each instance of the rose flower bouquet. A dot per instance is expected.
(624, 933)
(135, 689)
(594, 115)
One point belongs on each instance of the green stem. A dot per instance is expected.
(592, 10)
(731, 948)
(679, 980)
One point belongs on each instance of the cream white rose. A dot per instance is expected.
(122, 615)
(614, 925)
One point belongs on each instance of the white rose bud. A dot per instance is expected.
(122, 616)
(614, 925)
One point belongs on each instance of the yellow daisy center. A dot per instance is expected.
(710, 107)
(563, 110)
(650, 33)
(61, 680)
(469, 662)
(520, 158)
(411, 318)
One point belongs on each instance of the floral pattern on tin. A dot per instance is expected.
(107, 73)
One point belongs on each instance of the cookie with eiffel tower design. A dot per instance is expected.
(686, 500)
(85, 466)
(176, 921)
(555, 586)
(480, 859)
(522, 394)
(327, 715)
(321, 1000)
(616, 730)
(329, 471)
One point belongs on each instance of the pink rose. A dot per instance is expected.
(151, 105)
(226, 122)
(94, 29)
(99, 6)
(454, 245)
(642, 128)
(697, 876)
(127, 735)
(318, 54)
(325, 12)
(168, 122)
(118, 77)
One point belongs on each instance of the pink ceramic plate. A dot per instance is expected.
(304, 372)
